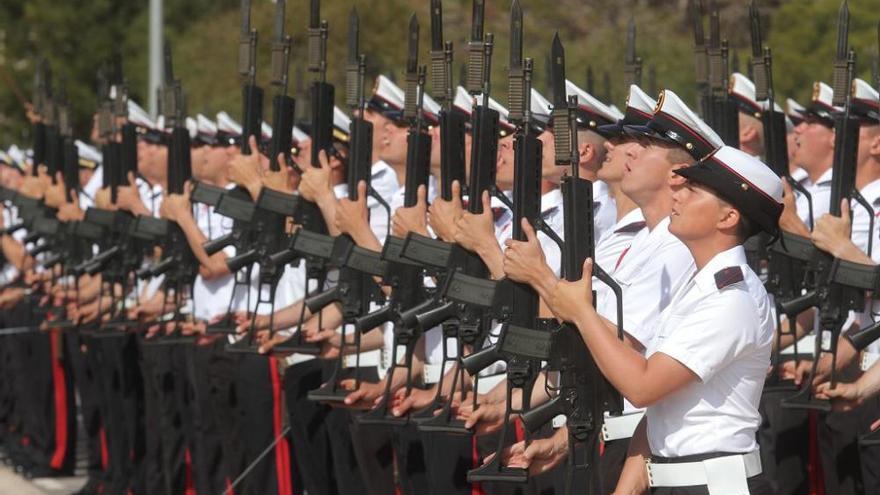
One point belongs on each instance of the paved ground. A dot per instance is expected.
(13, 484)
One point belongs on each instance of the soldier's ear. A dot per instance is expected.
(874, 147)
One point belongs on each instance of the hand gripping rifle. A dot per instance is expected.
(583, 394)
(833, 295)
(408, 290)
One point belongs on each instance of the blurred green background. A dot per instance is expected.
(76, 36)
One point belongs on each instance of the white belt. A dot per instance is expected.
(722, 475)
(433, 373)
(868, 359)
(619, 427)
(487, 383)
(367, 359)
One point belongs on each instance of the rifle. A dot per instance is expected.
(251, 94)
(179, 264)
(42, 96)
(520, 327)
(832, 295)
(426, 250)
(358, 263)
(268, 217)
(583, 394)
(784, 274)
(408, 279)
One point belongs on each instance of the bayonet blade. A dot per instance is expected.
(557, 72)
(245, 17)
(478, 11)
(353, 33)
(755, 28)
(436, 26)
(516, 35)
(169, 66)
(279, 20)
(315, 14)
(412, 59)
(843, 32)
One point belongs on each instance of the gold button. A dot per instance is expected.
(689, 146)
(744, 186)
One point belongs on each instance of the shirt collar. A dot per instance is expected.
(551, 201)
(632, 217)
(826, 177)
(871, 192)
(705, 278)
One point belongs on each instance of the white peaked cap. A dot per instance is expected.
(88, 152)
(593, 113)
(139, 117)
(298, 135)
(228, 125)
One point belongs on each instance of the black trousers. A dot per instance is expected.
(611, 463)
(111, 360)
(869, 455)
(86, 381)
(259, 389)
(223, 371)
(310, 442)
(784, 440)
(154, 362)
(448, 458)
(363, 456)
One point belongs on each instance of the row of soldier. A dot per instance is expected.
(447, 296)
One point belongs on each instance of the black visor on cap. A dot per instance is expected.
(751, 202)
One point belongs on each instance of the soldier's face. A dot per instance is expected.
(696, 212)
(867, 139)
(379, 121)
(304, 157)
(85, 175)
(792, 150)
(10, 178)
(646, 172)
(504, 163)
(613, 167)
(395, 151)
(814, 145)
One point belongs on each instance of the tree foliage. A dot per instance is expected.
(76, 36)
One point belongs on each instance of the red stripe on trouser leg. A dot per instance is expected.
(282, 448)
(59, 383)
(105, 455)
(476, 488)
(601, 447)
(814, 460)
(520, 432)
(229, 490)
(189, 487)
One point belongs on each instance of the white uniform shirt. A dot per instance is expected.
(553, 216)
(820, 192)
(723, 335)
(610, 247)
(656, 265)
(604, 209)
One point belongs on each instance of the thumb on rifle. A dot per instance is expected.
(422, 196)
(456, 192)
(528, 230)
(844, 209)
(362, 191)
